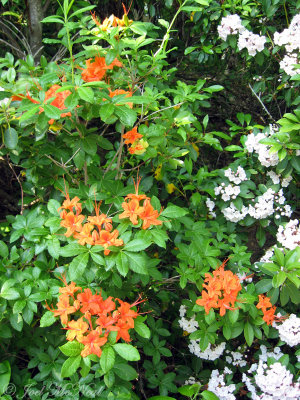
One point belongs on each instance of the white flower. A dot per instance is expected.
(274, 177)
(232, 214)
(287, 64)
(252, 42)
(230, 25)
(289, 330)
(4, 101)
(217, 385)
(211, 353)
(289, 236)
(286, 181)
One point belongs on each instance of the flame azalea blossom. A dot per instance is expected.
(220, 290)
(132, 136)
(97, 230)
(268, 309)
(96, 70)
(97, 317)
(117, 92)
(58, 101)
(134, 210)
(112, 22)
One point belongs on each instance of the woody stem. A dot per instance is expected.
(120, 152)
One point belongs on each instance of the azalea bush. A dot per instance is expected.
(155, 252)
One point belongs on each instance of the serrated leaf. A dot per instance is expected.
(127, 351)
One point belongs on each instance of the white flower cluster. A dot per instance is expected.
(211, 353)
(275, 382)
(232, 214)
(263, 208)
(192, 381)
(290, 38)
(289, 330)
(236, 358)
(252, 42)
(211, 205)
(227, 192)
(263, 151)
(276, 179)
(236, 177)
(232, 25)
(218, 386)
(188, 325)
(289, 236)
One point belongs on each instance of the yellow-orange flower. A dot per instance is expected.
(96, 70)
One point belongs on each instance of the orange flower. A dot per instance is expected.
(106, 239)
(69, 290)
(69, 204)
(220, 290)
(63, 308)
(89, 301)
(76, 329)
(95, 71)
(131, 210)
(138, 147)
(263, 303)
(84, 236)
(100, 219)
(117, 92)
(59, 100)
(132, 136)
(269, 315)
(136, 195)
(93, 343)
(72, 222)
(149, 215)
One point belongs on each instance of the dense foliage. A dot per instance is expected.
(150, 248)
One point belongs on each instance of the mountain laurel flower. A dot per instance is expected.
(289, 330)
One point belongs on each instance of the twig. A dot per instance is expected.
(22, 193)
(166, 108)
(262, 104)
(120, 153)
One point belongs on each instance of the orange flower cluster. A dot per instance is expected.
(220, 290)
(97, 317)
(95, 71)
(58, 101)
(133, 138)
(267, 308)
(133, 210)
(112, 21)
(96, 231)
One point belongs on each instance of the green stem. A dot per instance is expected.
(167, 35)
(286, 15)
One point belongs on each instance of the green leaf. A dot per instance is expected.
(161, 398)
(10, 138)
(125, 372)
(126, 115)
(82, 10)
(106, 111)
(142, 329)
(5, 373)
(173, 212)
(107, 359)
(122, 263)
(9, 293)
(263, 286)
(53, 206)
(47, 319)
(77, 266)
(52, 112)
(53, 246)
(248, 333)
(3, 250)
(137, 262)
(159, 237)
(53, 19)
(30, 113)
(279, 279)
(137, 245)
(86, 93)
(127, 351)
(70, 366)
(71, 349)
(72, 249)
(208, 395)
